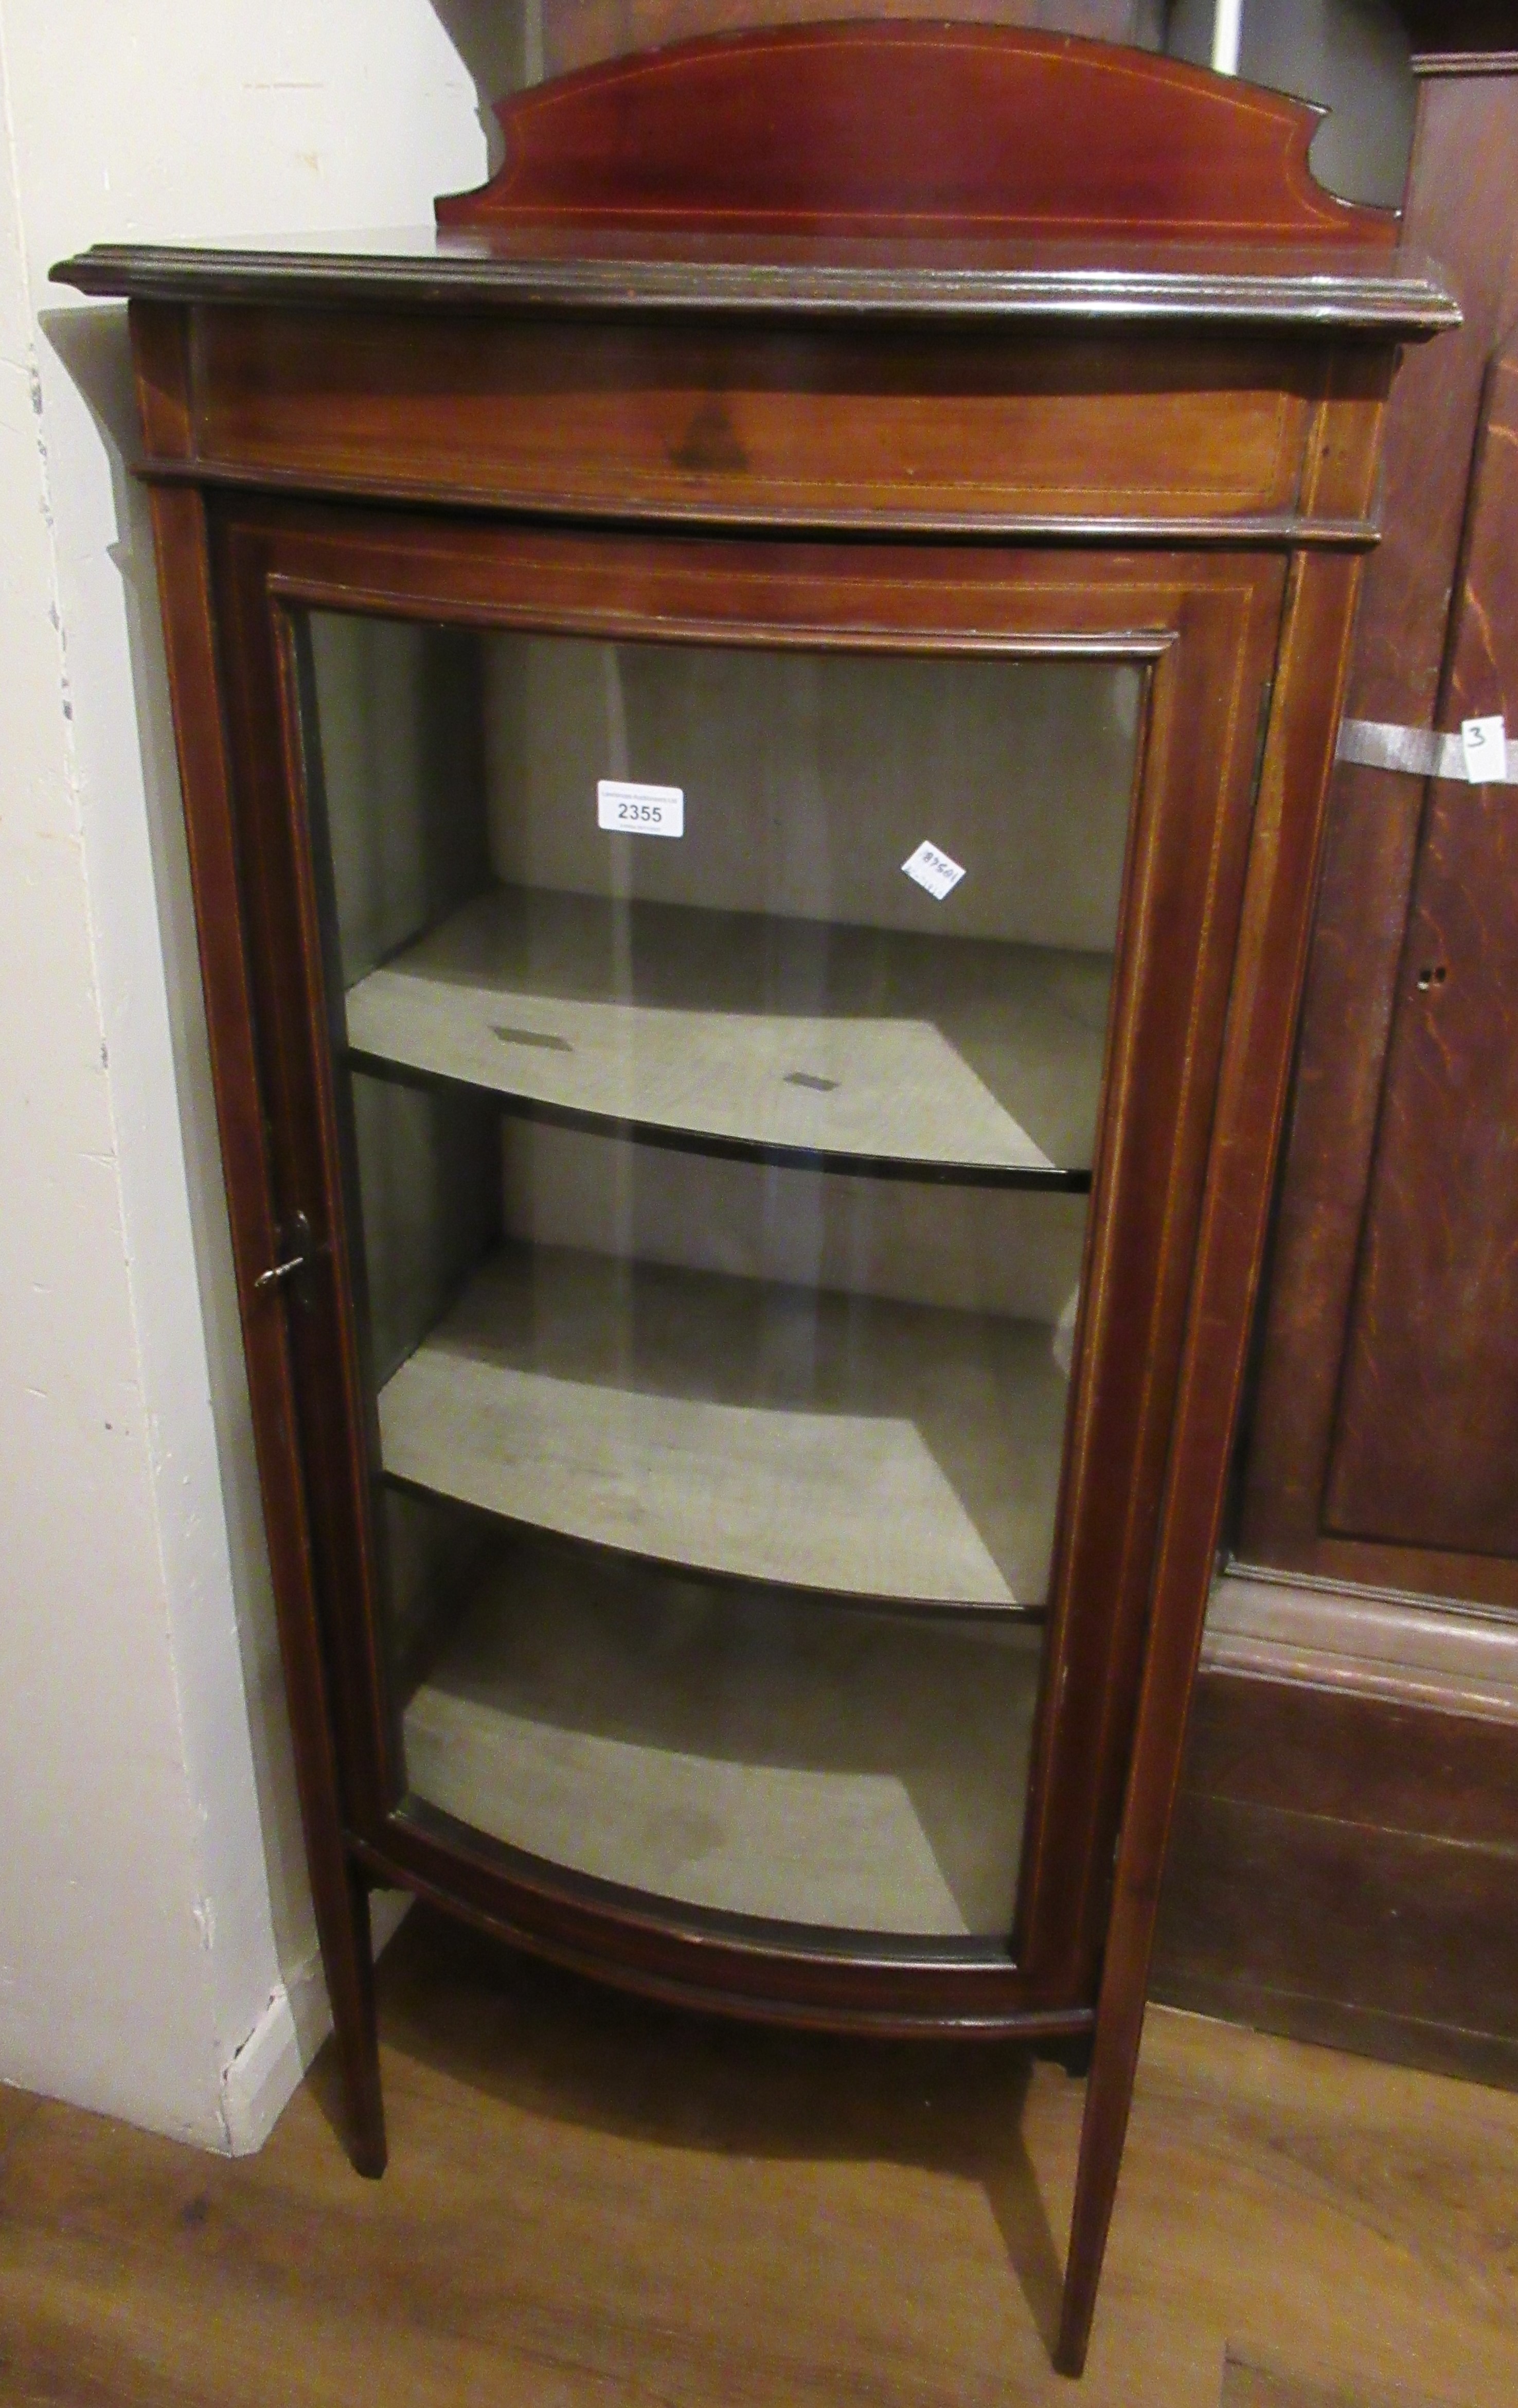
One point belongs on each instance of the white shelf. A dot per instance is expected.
(871, 1043)
(735, 1750)
(824, 1441)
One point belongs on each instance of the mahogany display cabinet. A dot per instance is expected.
(754, 713)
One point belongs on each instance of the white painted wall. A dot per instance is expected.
(1352, 57)
(156, 1948)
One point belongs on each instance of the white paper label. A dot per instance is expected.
(1485, 744)
(639, 811)
(934, 870)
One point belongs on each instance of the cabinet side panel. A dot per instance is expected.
(1250, 1101)
(161, 341)
(180, 539)
(1344, 442)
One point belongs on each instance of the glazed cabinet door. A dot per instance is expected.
(737, 1028)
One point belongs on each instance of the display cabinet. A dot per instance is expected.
(753, 715)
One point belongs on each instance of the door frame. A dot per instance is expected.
(1204, 627)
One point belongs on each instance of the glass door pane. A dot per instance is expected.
(722, 1043)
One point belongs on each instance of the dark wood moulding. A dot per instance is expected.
(1019, 283)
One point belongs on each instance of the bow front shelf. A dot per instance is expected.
(753, 709)
(974, 1061)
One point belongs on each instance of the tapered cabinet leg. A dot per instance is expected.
(1103, 2127)
(348, 1963)
(1115, 2055)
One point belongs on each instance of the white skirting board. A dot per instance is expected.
(818, 1441)
(267, 2068)
(775, 1033)
(739, 1750)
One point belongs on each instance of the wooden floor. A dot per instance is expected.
(591, 2202)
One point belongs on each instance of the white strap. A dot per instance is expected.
(1416, 752)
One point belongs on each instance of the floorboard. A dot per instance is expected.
(594, 2202)
(1260, 2386)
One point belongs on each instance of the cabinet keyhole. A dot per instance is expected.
(1432, 974)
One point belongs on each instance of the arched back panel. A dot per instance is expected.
(894, 129)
